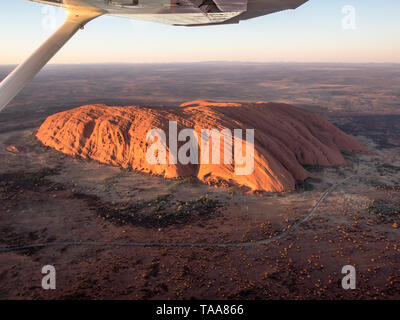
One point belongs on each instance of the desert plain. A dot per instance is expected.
(113, 233)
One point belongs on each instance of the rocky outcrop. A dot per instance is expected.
(15, 149)
(286, 138)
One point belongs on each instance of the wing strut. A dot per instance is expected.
(17, 79)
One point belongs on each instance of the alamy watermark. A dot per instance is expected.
(52, 18)
(349, 21)
(203, 149)
(49, 280)
(349, 280)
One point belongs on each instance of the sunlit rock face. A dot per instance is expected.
(285, 139)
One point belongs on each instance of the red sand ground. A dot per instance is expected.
(49, 197)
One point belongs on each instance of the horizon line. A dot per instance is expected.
(213, 61)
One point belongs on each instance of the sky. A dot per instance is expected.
(318, 31)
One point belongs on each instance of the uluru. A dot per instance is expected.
(286, 138)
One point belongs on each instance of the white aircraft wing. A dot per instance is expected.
(174, 12)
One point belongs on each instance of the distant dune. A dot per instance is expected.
(286, 139)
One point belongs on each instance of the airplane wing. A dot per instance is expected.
(252, 8)
(173, 12)
(185, 12)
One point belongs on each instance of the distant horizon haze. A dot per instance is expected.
(238, 62)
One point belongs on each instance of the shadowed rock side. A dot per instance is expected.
(286, 138)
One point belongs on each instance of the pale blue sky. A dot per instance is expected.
(312, 33)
